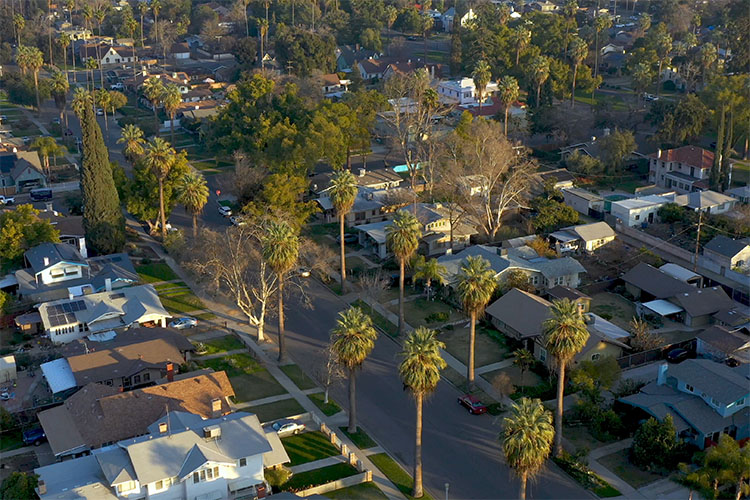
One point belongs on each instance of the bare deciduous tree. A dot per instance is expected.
(329, 372)
(372, 285)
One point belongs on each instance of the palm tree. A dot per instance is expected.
(476, 284)
(569, 13)
(526, 439)
(579, 49)
(156, 8)
(142, 9)
(172, 98)
(46, 146)
(523, 359)
(192, 192)
(280, 251)
(482, 75)
(707, 56)
(153, 89)
(402, 237)
(508, 92)
(521, 38)
(81, 99)
(19, 23)
(91, 65)
(263, 32)
(104, 100)
(31, 59)
(420, 372)
(564, 334)
(59, 88)
(539, 72)
(428, 270)
(64, 42)
(132, 137)
(663, 48)
(352, 340)
(342, 192)
(601, 23)
(160, 158)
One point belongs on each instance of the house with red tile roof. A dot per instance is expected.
(685, 169)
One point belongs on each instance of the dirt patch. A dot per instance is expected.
(486, 349)
(614, 308)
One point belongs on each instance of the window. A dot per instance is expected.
(126, 486)
(543, 354)
(740, 402)
(596, 356)
(196, 478)
(209, 474)
(216, 471)
(243, 462)
(159, 485)
(203, 475)
(137, 379)
(146, 377)
(689, 388)
(637, 217)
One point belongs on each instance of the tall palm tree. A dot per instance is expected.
(91, 65)
(663, 48)
(428, 270)
(707, 56)
(402, 237)
(564, 334)
(476, 284)
(64, 42)
(342, 192)
(31, 59)
(601, 23)
(132, 137)
(81, 99)
(263, 32)
(420, 372)
(59, 88)
(280, 251)
(579, 49)
(104, 99)
(142, 10)
(153, 89)
(19, 23)
(352, 340)
(508, 92)
(521, 38)
(46, 146)
(539, 72)
(155, 9)
(160, 158)
(482, 75)
(192, 192)
(172, 98)
(569, 13)
(526, 439)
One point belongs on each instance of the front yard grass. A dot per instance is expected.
(11, 440)
(417, 311)
(222, 344)
(206, 316)
(305, 480)
(619, 464)
(308, 447)
(274, 411)
(398, 476)
(250, 380)
(156, 271)
(299, 378)
(359, 438)
(180, 299)
(378, 319)
(329, 409)
(614, 308)
(529, 378)
(487, 349)
(364, 491)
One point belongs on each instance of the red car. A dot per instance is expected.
(472, 404)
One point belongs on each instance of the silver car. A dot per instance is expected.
(182, 323)
(287, 427)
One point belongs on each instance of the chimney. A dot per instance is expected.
(658, 153)
(170, 372)
(46, 261)
(42, 487)
(216, 408)
(362, 172)
(606, 132)
(108, 284)
(48, 207)
(163, 428)
(661, 378)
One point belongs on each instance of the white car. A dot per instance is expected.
(117, 86)
(287, 427)
(303, 272)
(100, 111)
(236, 220)
(225, 210)
(6, 200)
(182, 323)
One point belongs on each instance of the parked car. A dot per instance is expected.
(650, 97)
(225, 210)
(348, 238)
(303, 272)
(237, 220)
(99, 111)
(117, 86)
(732, 363)
(56, 121)
(40, 194)
(678, 355)
(34, 436)
(288, 427)
(184, 322)
(472, 404)
(6, 200)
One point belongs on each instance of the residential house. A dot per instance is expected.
(683, 169)
(640, 211)
(74, 32)
(20, 171)
(463, 92)
(99, 415)
(605, 340)
(706, 201)
(334, 86)
(704, 398)
(70, 228)
(434, 70)
(66, 320)
(106, 54)
(58, 270)
(347, 57)
(584, 202)
(741, 193)
(382, 178)
(719, 344)
(682, 274)
(180, 51)
(372, 69)
(646, 283)
(542, 272)
(449, 17)
(370, 205)
(735, 320)
(541, 6)
(120, 364)
(699, 305)
(582, 238)
(558, 178)
(182, 456)
(573, 295)
(726, 253)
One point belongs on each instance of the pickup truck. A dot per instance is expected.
(6, 200)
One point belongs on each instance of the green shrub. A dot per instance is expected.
(174, 242)
(277, 476)
(437, 317)
(655, 443)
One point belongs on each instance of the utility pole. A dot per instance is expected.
(697, 241)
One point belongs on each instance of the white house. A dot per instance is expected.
(463, 92)
(706, 201)
(586, 237)
(449, 17)
(107, 54)
(636, 211)
(583, 201)
(683, 169)
(182, 457)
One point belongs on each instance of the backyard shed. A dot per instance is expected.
(8, 369)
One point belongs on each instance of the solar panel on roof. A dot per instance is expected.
(117, 259)
(67, 307)
(81, 305)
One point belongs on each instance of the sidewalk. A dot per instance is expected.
(318, 464)
(612, 478)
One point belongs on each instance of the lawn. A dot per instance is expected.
(305, 480)
(170, 286)
(529, 377)
(487, 350)
(180, 299)
(155, 272)
(378, 319)
(222, 344)
(355, 265)
(329, 409)
(299, 378)
(359, 438)
(417, 311)
(396, 474)
(308, 447)
(364, 491)
(740, 173)
(205, 316)
(614, 308)
(580, 437)
(274, 411)
(11, 440)
(250, 380)
(619, 464)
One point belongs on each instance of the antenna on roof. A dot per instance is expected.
(169, 425)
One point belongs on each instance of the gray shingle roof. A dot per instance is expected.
(715, 379)
(522, 311)
(726, 246)
(593, 231)
(722, 339)
(699, 302)
(55, 253)
(116, 466)
(655, 282)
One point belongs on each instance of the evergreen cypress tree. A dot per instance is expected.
(102, 216)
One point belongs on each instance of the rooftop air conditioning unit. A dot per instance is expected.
(212, 432)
